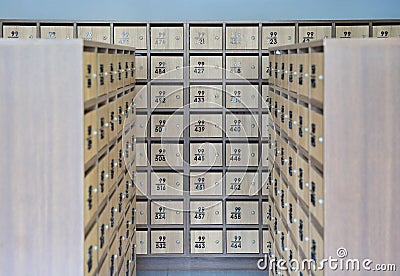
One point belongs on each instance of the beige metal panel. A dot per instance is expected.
(303, 78)
(13, 31)
(90, 74)
(241, 96)
(103, 226)
(244, 38)
(103, 61)
(141, 212)
(241, 67)
(167, 212)
(141, 242)
(103, 178)
(238, 125)
(205, 183)
(141, 183)
(206, 67)
(303, 178)
(303, 126)
(112, 120)
(272, 62)
(133, 36)
(310, 33)
(293, 73)
(206, 242)
(317, 195)
(206, 212)
(166, 96)
(167, 242)
(291, 214)
(113, 165)
(141, 154)
(205, 38)
(206, 154)
(166, 67)
(266, 99)
(273, 36)
(141, 96)
(352, 31)
(166, 38)
(385, 31)
(241, 183)
(265, 67)
(242, 241)
(57, 32)
(266, 188)
(170, 155)
(95, 33)
(242, 212)
(292, 122)
(91, 190)
(267, 130)
(90, 123)
(291, 172)
(91, 252)
(267, 242)
(316, 248)
(166, 125)
(303, 234)
(141, 126)
(141, 67)
(265, 158)
(166, 183)
(205, 125)
(317, 136)
(267, 212)
(317, 76)
(205, 96)
(241, 154)
(292, 252)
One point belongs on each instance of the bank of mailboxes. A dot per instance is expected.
(95, 33)
(205, 38)
(206, 96)
(205, 67)
(241, 67)
(241, 96)
(166, 38)
(133, 36)
(166, 96)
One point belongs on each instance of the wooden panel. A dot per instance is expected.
(277, 35)
(310, 33)
(141, 212)
(267, 212)
(170, 155)
(14, 31)
(206, 212)
(242, 67)
(141, 242)
(166, 67)
(265, 68)
(90, 141)
(209, 38)
(141, 67)
(241, 183)
(166, 96)
(386, 31)
(95, 33)
(141, 154)
(140, 95)
(57, 32)
(206, 242)
(242, 241)
(316, 131)
(242, 212)
(267, 242)
(242, 38)
(206, 67)
(141, 126)
(166, 183)
(141, 183)
(134, 36)
(241, 96)
(205, 154)
(205, 125)
(238, 125)
(163, 38)
(205, 96)
(91, 190)
(205, 183)
(90, 72)
(91, 252)
(266, 188)
(241, 154)
(352, 31)
(170, 242)
(166, 126)
(167, 212)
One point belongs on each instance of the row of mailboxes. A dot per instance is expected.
(201, 212)
(303, 124)
(201, 242)
(114, 229)
(201, 155)
(209, 183)
(300, 73)
(106, 72)
(201, 37)
(201, 96)
(104, 124)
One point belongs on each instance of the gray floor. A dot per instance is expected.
(203, 273)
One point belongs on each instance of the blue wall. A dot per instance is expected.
(199, 9)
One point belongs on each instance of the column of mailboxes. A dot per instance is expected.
(294, 99)
(109, 120)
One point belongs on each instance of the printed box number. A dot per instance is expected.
(273, 39)
(236, 184)
(236, 97)
(200, 242)
(161, 38)
(200, 126)
(160, 214)
(160, 127)
(200, 38)
(236, 155)
(200, 184)
(199, 68)
(236, 67)
(160, 185)
(161, 68)
(160, 156)
(200, 213)
(161, 97)
(200, 155)
(237, 214)
(309, 37)
(161, 243)
(237, 242)
(236, 127)
(200, 97)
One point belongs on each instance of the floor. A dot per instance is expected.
(203, 273)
